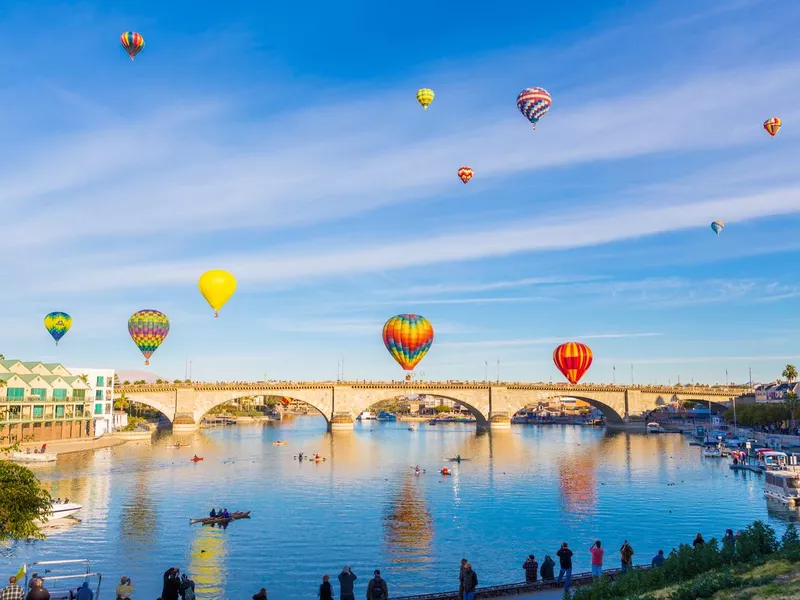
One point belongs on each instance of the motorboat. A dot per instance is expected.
(367, 416)
(62, 510)
(783, 486)
(712, 453)
(412, 427)
(655, 428)
(32, 457)
(387, 416)
(771, 460)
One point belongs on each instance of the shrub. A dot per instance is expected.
(790, 543)
(758, 539)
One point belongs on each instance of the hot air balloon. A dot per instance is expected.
(425, 97)
(465, 173)
(217, 288)
(533, 103)
(573, 359)
(717, 226)
(148, 328)
(132, 42)
(408, 338)
(57, 324)
(772, 126)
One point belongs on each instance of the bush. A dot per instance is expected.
(758, 539)
(790, 543)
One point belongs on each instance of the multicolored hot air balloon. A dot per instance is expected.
(408, 338)
(57, 324)
(717, 226)
(148, 328)
(534, 103)
(425, 97)
(772, 126)
(573, 359)
(465, 173)
(217, 288)
(132, 42)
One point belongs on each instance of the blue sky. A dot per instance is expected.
(285, 145)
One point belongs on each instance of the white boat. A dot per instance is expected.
(655, 428)
(32, 457)
(412, 427)
(770, 460)
(783, 486)
(712, 453)
(62, 510)
(367, 416)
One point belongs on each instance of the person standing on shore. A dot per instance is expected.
(626, 556)
(12, 591)
(346, 583)
(325, 589)
(547, 568)
(172, 584)
(470, 582)
(377, 588)
(658, 560)
(597, 559)
(565, 559)
(531, 567)
(698, 541)
(461, 579)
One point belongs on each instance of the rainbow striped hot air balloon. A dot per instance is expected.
(773, 125)
(534, 103)
(148, 328)
(408, 338)
(573, 359)
(57, 324)
(132, 42)
(425, 97)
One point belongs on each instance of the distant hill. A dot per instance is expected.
(134, 375)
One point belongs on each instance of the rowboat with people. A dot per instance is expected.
(234, 516)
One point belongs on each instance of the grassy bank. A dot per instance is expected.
(754, 565)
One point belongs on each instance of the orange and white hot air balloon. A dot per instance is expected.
(573, 359)
(465, 174)
(773, 125)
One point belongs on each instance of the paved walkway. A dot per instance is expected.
(67, 446)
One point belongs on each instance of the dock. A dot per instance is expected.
(751, 468)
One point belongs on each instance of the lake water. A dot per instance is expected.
(524, 491)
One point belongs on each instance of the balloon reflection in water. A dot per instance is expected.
(577, 483)
(208, 560)
(408, 525)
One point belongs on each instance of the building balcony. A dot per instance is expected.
(40, 400)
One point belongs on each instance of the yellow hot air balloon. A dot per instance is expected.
(217, 288)
(425, 97)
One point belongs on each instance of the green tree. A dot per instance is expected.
(22, 502)
(122, 402)
(790, 373)
(84, 378)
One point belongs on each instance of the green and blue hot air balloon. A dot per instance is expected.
(57, 324)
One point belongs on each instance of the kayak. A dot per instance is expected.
(173, 446)
(443, 472)
(458, 459)
(211, 520)
(196, 459)
(278, 443)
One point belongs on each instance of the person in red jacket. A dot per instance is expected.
(597, 559)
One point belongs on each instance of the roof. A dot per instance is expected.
(33, 364)
(52, 378)
(10, 362)
(28, 378)
(51, 366)
(74, 380)
(7, 376)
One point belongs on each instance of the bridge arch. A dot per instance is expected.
(208, 400)
(611, 415)
(161, 401)
(481, 419)
(239, 395)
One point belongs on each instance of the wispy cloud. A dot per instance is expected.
(453, 288)
(677, 360)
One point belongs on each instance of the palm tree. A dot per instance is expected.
(84, 378)
(790, 373)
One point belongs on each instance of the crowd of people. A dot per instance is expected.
(177, 586)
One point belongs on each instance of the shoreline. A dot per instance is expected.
(59, 447)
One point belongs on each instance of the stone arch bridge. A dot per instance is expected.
(492, 404)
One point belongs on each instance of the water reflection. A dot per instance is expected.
(207, 561)
(408, 525)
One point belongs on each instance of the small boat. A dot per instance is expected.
(458, 459)
(446, 471)
(279, 443)
(32, 457)
(655, 428)
(174, 446)
(62, 510)
(367, 416)
(412, 427)
(387, 417)
(712, 453)
(212, 520)
(196, 459)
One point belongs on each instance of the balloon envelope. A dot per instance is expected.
(534, 103)
(408, 338)
(148, 328)
(465, 174)
(132, 42)
(57, 324)
(773, 125)
(217, 288)
(425, 97)
(717, 226)
(573, 359)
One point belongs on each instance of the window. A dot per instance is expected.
(15, 393)
(98, 394)
(60, 411)
(79, 410)
(41, 392)
(98, 409)
(108, 409)
(79, 394)
(38, 411)
(68, 411)
(59, 394)
(100, 381)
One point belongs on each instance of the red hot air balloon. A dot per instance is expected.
(573, 359)
(408, 338)
(465, 174)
